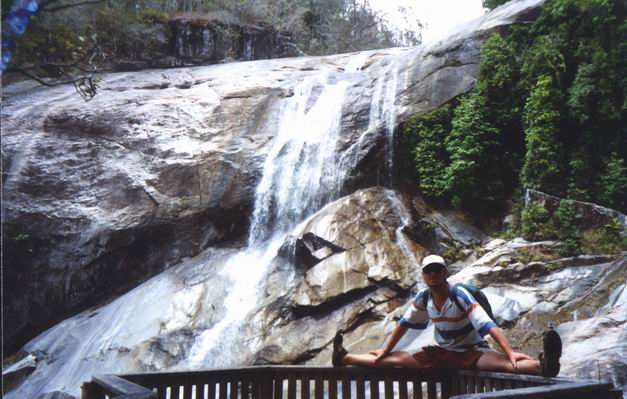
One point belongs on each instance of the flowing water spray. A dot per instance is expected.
(300, 173)
(384, 111)
(382, 115)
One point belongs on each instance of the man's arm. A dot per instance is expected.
(499, 337)
(397, 334)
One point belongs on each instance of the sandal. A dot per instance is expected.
(338, 351)
(550, 357)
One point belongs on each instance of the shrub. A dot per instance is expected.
(543, 169)
(536, 223)
(151, 17)
(567, 229)
(430, 159)
(613, 187)
(472, 147)
(607, 239)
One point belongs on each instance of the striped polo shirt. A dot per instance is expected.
(455, 329)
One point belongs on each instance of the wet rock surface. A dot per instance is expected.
(362, 285)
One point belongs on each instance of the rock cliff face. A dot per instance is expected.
(132, 212)
(183, 42)
(203, 42)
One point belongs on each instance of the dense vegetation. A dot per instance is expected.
(548, 112)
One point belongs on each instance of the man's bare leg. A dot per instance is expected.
(494, 361)
(394, 359)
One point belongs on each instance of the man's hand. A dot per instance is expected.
(380, 354)
(516, 356)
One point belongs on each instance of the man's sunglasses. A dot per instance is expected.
(433, 269)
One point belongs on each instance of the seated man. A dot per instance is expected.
(460, 325)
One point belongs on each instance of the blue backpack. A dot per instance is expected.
(475, 292)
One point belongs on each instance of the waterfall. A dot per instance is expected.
(301, 171)
(381, 115)
(299, 177)
(383, 111)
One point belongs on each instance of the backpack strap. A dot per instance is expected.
(425, 299)
(454, 297)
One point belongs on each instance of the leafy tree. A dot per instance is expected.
(498, 69)
(492, 4)
(568, 231)
(499, 76)
(536, 223)
(593, 94)
(430, 154)
(613, 183)
(543, 169)
(544, 58)
(581, 174)
(472, 147)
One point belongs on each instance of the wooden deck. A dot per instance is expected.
(294, 382)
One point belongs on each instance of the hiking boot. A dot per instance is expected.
(338, 351)
(550, 357)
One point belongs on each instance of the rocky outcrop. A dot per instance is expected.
(372, 276)
(204, 42)
(531, 287)
(182, 42)
(17, 373)
(588, 215)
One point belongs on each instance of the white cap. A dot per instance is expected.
(428, 260)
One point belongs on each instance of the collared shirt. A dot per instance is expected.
(455, 329)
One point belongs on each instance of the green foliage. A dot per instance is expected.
(613, 183)
(538, 254)
(499, 77)
(498, 68)
(543, 59)
(430, 157)
(593, 94)
(579, 187)
(472, 147)
(42, 45)
(492, 4)
(607, 239)
(568, 231)
(536, 223)
(542, 117)
(151, 17)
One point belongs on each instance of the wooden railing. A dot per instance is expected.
(292, 382)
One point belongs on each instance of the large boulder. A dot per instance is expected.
(588, 215)
(531, 287)
(369, 279)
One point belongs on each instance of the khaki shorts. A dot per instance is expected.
(439, 357)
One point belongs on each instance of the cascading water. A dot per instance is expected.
(381, 115)
(383, 112)
(300, 173)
